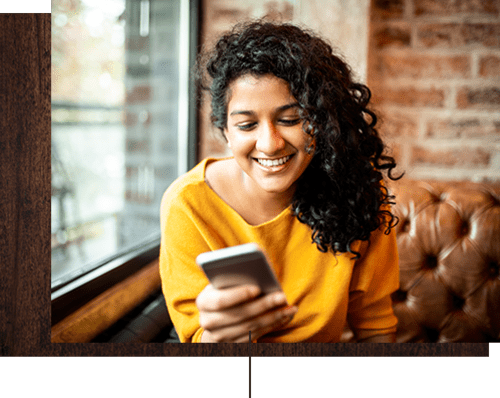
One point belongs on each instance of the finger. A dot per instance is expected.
(212, 299)
(280, 319)
(244, 312)
(257, 326)
(286, 316)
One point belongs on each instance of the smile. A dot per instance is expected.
(274, 162)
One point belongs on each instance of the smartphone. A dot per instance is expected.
(239, 265)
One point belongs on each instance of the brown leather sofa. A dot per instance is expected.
(449, 250)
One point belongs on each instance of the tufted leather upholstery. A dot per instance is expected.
(449, 249)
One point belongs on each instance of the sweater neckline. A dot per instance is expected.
(205, 162)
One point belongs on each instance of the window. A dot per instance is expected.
(122, 127)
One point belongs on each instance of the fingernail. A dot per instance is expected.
(279, 298)
(254, 290)
(290, 311)
(286, 319)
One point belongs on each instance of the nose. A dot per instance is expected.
(269, 140)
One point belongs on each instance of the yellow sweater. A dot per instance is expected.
(327, 290)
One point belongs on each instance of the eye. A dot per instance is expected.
(246, 126)
(290, 122)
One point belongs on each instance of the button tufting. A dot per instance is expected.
(432, 334)
(448, 240)
(405, 226)
(435, 198)
(494, 270)
(458, 302)
(399, 296)
(431, 262)
(464, 229)
(494, 200)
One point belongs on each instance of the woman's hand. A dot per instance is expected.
(227, 315)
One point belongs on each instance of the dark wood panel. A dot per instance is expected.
(25, 222)
(25, 181)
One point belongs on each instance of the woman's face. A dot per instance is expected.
(264, 132)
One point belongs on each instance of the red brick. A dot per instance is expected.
(438, 35)
(424, 66)
(485, 34)
(226, 15)
(395, 150)
(468, 97)
(465, 157)
(410, 96)
(449, 7)
(388, 8)
(130, 171)
(132, 196)
(130, 119)
(452, 128)
(489, 66)
(137, 145)
(278, 11)
(489, 132)
(458, 35)
(398, 125)
(139, 94)
(137, 43)
(391, 35)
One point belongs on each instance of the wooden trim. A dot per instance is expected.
(107, 308)
(69, 298)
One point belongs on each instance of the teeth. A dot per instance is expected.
(275, 162)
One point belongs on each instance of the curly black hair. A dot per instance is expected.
(341, 195)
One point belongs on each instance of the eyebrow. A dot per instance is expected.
(280, 109)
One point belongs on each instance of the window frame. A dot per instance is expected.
(72, 294)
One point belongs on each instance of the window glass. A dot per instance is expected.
(119, 125)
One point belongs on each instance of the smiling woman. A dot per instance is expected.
(270, 148)
(305, 183)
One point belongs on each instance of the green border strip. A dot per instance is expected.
(25, 6)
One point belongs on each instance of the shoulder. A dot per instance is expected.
(194, 189)
(187, 188)
(220, 175)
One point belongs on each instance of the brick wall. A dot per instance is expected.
(434, 69)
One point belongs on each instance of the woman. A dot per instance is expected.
(305, 183)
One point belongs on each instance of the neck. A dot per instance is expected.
(271, 203)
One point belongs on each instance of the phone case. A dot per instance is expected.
(238, 265)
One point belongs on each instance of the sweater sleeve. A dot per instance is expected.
(375, 277)
(182, 279)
